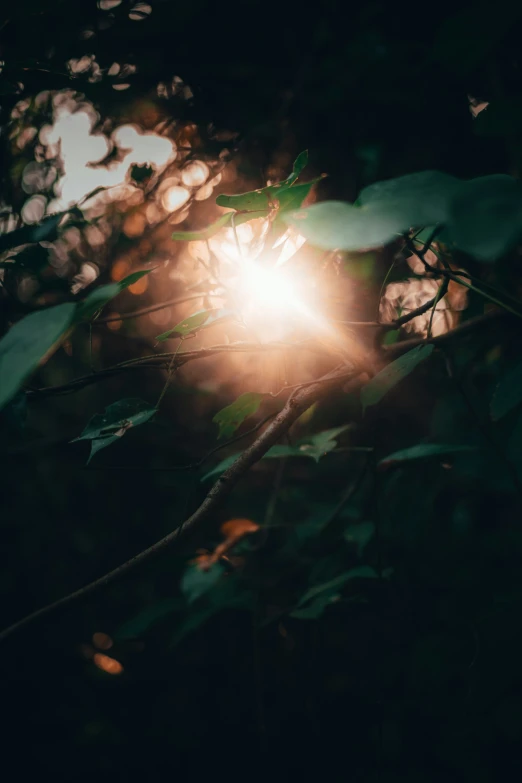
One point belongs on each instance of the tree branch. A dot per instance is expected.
(162, 362)
(196, 524)
(151, 309)
(459, 331)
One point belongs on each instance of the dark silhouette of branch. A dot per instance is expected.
(162, 362)
(460, 331)
(423, 308)
(196, 524)
(151, 309)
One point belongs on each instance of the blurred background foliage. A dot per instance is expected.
(413, 675)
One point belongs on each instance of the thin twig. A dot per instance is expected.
(460, 331)
(162, 362)
(152, 308)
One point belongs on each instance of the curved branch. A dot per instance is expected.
(196, 524)
(161, 362)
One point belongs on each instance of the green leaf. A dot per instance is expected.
(196, 581)
(98, 298)
(391, 336)
(316, 608)
(230, 418)
(32, 258)
(201, 319)
(508, 394)
(386, 379)
(313, 446)
(261, 198)
(292, 198)
(323, 594)
(359, 534)
(221, 466)
(221, 222)
(336, 225)
(421, 451)
(252, 200)
(29, 343)
(45, 231)
(111, 426)
(299, 164)
(420, 199)
(138, 624)
(225, 594)
(485, 217)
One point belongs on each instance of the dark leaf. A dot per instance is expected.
(385, 380)
(29, 343)
(508, 394)
(485, 217)
(422, 451)
(320, 596)
(98, 298)
(111, 426)
(197, 581)
(47, 230)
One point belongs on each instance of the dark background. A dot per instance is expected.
(422, 679)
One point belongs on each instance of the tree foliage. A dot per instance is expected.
(299, 267)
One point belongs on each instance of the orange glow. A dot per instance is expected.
(235, 528)
(107, 664)
(134, 225)
(102, 640)
(120, 269)
(140, 286)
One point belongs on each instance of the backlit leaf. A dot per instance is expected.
(336, 225)
(195, 322)
(299, 164)
(421, 199)
(313, 446)
(217, 225)
(230, 418)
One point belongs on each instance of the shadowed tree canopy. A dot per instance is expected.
(260, 390)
